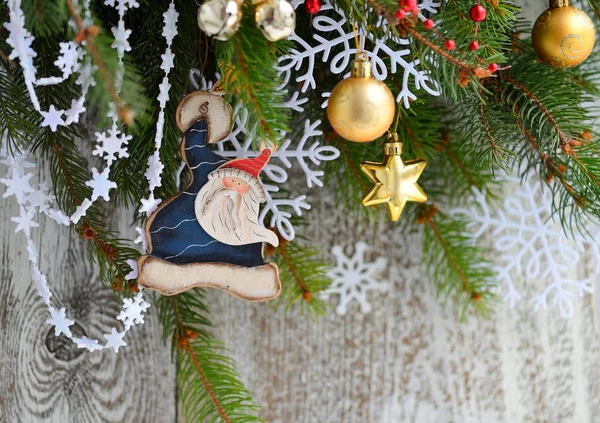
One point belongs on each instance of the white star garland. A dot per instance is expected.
(112, 146)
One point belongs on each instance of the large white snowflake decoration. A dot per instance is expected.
(353, 277)
(530, 246)
(333, 40)
(307, 153)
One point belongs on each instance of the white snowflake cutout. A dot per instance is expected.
(353, 277)
(25, 221)
(52, 118)
(133, 310)
(112, 144)
(115, 340)
(70, 55)
(89, 344)
(18, 185)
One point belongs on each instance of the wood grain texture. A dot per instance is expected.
(411, 360)
(47, 379)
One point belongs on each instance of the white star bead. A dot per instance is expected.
(167, 60)
(115, 340)
(52, 118)
(100, 184)
(149, 205)
(60, 322)
(141, 238)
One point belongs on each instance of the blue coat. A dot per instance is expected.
(175, 234)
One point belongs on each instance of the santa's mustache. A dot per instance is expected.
(231, 217)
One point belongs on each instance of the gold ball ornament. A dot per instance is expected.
(275, 18)
(220, 19)
(563, 35)
(361, 108)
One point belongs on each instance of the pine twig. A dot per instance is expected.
(88, 34)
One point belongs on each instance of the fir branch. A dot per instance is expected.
(454, 261)
(209, 386)
(248, 62)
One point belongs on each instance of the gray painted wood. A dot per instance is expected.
(45, 379)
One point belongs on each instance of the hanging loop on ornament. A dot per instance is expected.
(558, 3)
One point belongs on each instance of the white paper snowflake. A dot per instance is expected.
(17, 185)
(133, 310)
(112, 144)
(70, 56)
(333, 40)
(530, 246)
(306, 153)
(353, 277)
(25, 221)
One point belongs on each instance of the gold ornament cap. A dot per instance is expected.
(361, 68)
(392, 146)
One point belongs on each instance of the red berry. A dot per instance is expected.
(474, 45)
(478, 13)
(409, 4)
(313, 6)
(415, 11)
(401, 14)
(450, 44)
(493, 67)
(428, 24)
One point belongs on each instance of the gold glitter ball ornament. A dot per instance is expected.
(275, 18)
(220, 19)
(394, 181)
(361, 108)
(563, 35)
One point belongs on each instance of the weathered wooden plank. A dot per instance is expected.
(45, 378)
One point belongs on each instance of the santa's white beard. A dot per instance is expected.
(231, 217)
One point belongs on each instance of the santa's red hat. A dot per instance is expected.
(247, 169)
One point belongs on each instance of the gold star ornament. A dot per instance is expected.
(394, 181)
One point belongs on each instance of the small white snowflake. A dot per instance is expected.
(68, 61)
(40, 198)
(115, 340)
(133, 310)
(60, 322)
(86, 75)
(100, 184)
(77, 108)
(89, 344)
(53, 118)
(25, 221)
(18, 185)
(121, 43)
(353, 277)
(112, 144)
(17, 161)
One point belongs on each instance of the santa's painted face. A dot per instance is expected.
(227, 209)
(236, 184)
